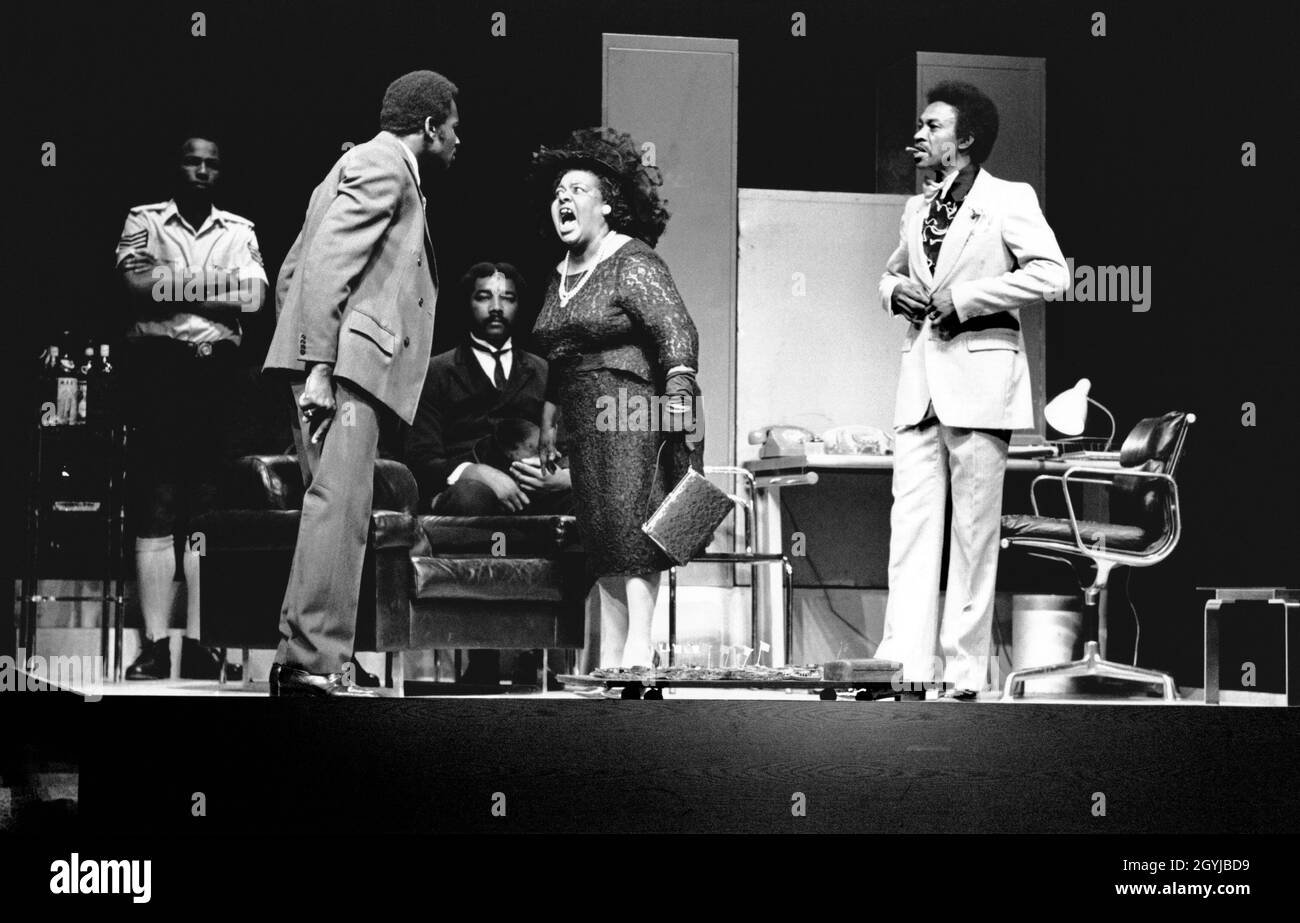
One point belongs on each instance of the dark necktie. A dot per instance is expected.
(499, 373)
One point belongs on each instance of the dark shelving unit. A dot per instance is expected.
(76, 526)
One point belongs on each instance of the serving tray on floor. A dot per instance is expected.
(874, 687)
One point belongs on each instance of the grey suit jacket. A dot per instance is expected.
(358, 287)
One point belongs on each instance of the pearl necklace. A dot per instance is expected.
(567, 295)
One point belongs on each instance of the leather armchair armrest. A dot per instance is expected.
(522, 535)
(395, 487)
(262, 482)
(392, 529)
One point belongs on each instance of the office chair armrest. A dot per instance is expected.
(1109, 470)
(1108, 480)
(1033, 487)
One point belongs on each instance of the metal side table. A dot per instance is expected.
(1288, 603)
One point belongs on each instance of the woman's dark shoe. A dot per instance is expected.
(290, 681)
(154, 662)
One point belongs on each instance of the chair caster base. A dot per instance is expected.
(1092, 665)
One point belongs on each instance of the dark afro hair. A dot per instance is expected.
(977, 117)
(627, 185)
(412, 98)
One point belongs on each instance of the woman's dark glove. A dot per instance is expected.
(684, 409)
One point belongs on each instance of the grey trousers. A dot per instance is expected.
(318, 620)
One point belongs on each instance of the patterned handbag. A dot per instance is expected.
(685, 522)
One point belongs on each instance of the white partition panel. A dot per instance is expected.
(679, 95)
(814, 348)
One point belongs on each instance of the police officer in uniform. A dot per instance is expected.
(191, 270)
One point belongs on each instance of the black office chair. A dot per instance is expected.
(748, 556)
(1144, 494)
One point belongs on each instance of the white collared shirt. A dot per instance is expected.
(224, 241)
(488, 363)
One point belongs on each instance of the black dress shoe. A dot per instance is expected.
(291, 681)
(154, 662)
(200, 662)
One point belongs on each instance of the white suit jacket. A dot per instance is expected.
(998, 255)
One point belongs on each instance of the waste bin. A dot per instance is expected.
(1045, 630)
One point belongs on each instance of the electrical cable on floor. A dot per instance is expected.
(794, 527)
(1137, 624)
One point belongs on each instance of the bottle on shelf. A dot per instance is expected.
(49, 386)
(85, 372)
(105, 367)
(103, 384)
(66, 400)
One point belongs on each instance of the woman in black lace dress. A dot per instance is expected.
(620, 345)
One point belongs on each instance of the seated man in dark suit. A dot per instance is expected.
(473, 445)
(469, 446)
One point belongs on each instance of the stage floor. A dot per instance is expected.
(743, 764)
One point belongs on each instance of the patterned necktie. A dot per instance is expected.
(935, 226)
(499, 373)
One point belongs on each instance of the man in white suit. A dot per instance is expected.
(973, 251)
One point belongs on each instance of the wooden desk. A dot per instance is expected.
(854, 534)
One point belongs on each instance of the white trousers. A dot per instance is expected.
(928, 458)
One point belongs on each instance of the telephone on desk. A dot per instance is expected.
(782, 439)
(787, 439)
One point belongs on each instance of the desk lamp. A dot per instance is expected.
(1068, 411)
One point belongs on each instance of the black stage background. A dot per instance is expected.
(1144, 154)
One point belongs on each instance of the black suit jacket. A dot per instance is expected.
(459, 406)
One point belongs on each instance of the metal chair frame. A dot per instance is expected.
(748, 556)
(1104, 560)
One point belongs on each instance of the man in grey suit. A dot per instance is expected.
(973, 252)
(354, 329)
